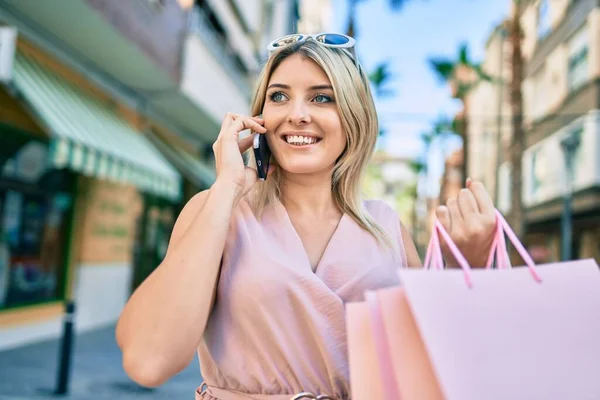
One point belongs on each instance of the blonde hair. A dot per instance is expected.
(359, 121)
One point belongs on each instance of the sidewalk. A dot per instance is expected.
(29, 372)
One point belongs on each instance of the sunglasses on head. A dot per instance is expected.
(334, 40)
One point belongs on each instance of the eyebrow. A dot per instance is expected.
(316, 87)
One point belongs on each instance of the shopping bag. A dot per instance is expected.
(528, 332)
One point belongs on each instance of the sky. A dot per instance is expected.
(407, 39)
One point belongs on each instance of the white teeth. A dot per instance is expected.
(300, 140)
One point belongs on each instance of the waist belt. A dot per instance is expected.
(206, 392)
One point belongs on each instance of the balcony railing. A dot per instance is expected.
(201, 26)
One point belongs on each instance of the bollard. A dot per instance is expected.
(66, 347)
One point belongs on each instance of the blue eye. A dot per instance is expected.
(322, 98)
(277, 97)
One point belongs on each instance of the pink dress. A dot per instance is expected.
(277, 327)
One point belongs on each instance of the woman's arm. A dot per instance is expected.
(163, 322)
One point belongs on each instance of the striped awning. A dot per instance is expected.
(197, 172)
(90, 138)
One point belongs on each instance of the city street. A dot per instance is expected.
(30, 372)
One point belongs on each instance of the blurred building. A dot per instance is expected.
(452, 180)
(391, 179)
(315, 16)
(280, 18)
(561, 97)
(489, 116)
(108, 111)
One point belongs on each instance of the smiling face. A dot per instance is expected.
(304, 130)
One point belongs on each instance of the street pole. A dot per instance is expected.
(66, 350)
(569, 146)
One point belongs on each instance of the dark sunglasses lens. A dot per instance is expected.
(285, 41)
(333, 39)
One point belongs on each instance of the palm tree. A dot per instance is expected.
(462, 75)
(351, 25)
(380, 77)
(517, 145)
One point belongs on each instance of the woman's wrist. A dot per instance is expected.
(227, 193)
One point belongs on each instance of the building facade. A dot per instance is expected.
(561, 99)
(489, 117)
(108, 111)
(315, 16)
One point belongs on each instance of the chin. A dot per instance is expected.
(305, 167)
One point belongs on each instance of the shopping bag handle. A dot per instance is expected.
(498, 250)
(434, 257)
(512, 236)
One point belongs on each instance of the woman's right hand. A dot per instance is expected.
(228, 150)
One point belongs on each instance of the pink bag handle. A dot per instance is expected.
(386, 366)
(434, 252)
(433, 256)
(498, 249)
(512, 236)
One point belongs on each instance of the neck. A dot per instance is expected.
(309, 195)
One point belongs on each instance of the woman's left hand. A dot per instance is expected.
(470, 220)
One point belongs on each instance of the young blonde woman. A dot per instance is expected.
(257, 274)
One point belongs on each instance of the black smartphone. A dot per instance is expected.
(262, 153)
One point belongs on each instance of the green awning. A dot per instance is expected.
(88, 137)
(197, 172)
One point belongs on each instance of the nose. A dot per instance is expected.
(299, 114)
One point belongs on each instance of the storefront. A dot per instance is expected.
(158, 216)
(36, 205)
(544, 235)
(75, 179)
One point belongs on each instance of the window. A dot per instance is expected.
(154, 5)
(218, 30)
(536, 171)
(540, 99)
(578, 60)
(35, 205)
(544, 25)
(212, 18)
(505, 187)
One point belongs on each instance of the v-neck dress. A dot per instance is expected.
(278, 328)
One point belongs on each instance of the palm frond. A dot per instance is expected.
(444, 68)
(427, 138)
(411, 191)
(463, 54)
(380, 78)
(397, 4)
(442, 126)
(482, 74)
(418, 166)
(458, 125)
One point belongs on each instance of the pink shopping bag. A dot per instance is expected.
(529, 332)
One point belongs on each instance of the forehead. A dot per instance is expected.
(298, 70)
